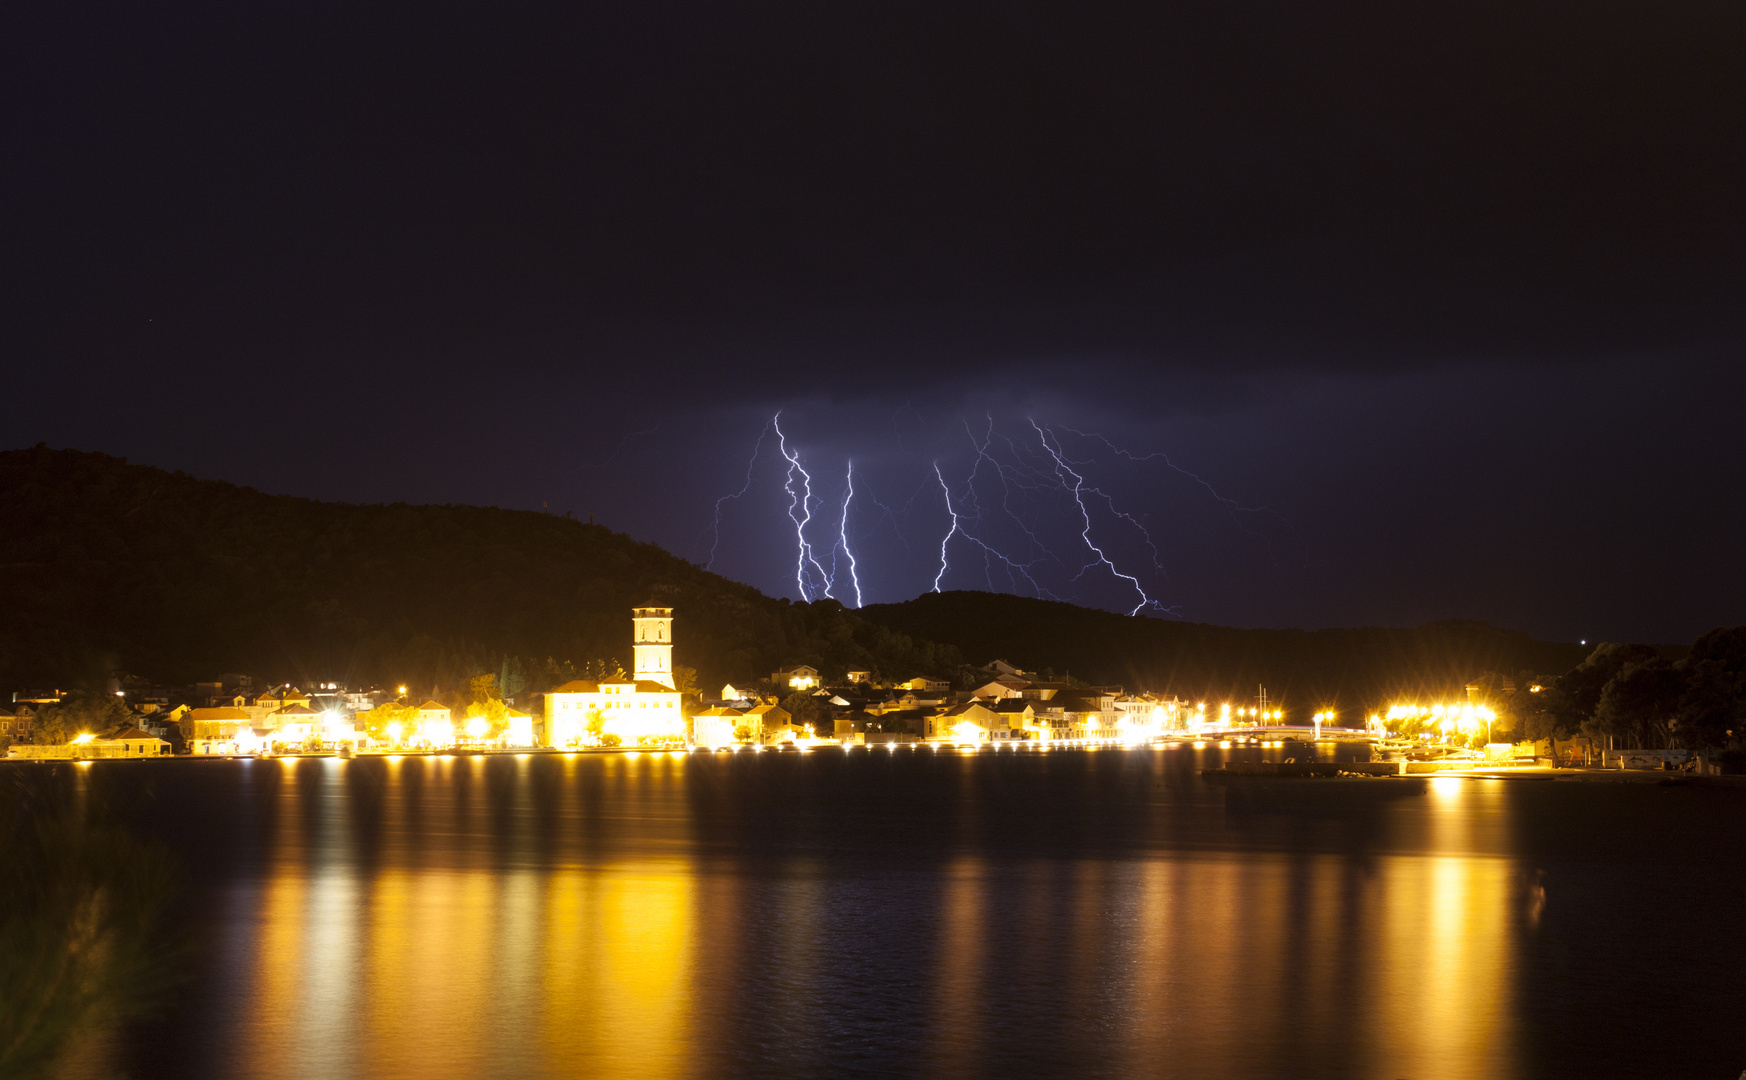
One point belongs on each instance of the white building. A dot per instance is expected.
(643, 710)
(652, 639)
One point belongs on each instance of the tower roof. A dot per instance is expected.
(652, 605)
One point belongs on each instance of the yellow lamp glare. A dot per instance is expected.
(477, 727)
(83, 737)
(395, 730)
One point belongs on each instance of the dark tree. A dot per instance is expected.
(1639, 705)
(80, 713)
(1713, 710)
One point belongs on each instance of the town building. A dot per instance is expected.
(716, 727)
(1001, 686)
(132, 743)
(768, 723)
(223, 729)
(966, 723)
(652, 642)
(630, 712)
(927, 684)
(436, 724)
(799, 677)
(739, 691)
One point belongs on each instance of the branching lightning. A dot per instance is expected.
(1064, 471)
(715, 526)
(800, 506)
(1021, 569)
(1159, 455)
(1013, 528)
(1232, 506)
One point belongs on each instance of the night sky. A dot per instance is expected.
(1341, 313)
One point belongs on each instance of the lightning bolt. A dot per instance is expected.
(947, 492)
(1231, 506)
(1077, 490)
(1021, 569)
(800, 512)
(1159, 455)
(715, 526)
(843, 533)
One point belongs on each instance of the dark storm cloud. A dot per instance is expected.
(1453, 290)
(734, 189)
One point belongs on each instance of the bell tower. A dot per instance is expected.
(653, 641)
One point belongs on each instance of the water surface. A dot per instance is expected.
(1082, 913)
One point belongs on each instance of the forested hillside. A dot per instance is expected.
(1356, 668)
(106, 566)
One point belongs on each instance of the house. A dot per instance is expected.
(133, 743)
(799, 677)
(1019, 718)
(7, 719)
(1044, 691)
(436, 724)
(268, 704)
(217, 730)
(297, 723)
(715, 727)
(860, 676)
(520, 731)
(23, 717)
(1080, 714)
(1001, 667)
(895, 726)
(966, 723)
(1002, 686)
(927, 684)
(766, 721)
(744, 690)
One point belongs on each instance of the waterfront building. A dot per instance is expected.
(132, 743)
(218, 730)
(767, 721)
(583, 712)
(436, 725)
(296, 724)
(969, 722)
(1018, 716)
(520, 730)
(714, 727)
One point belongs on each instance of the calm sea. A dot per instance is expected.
(1066, 914)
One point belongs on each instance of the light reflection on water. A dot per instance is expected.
(652, 916)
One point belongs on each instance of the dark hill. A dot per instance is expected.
(106, 565)
(1304, 668)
